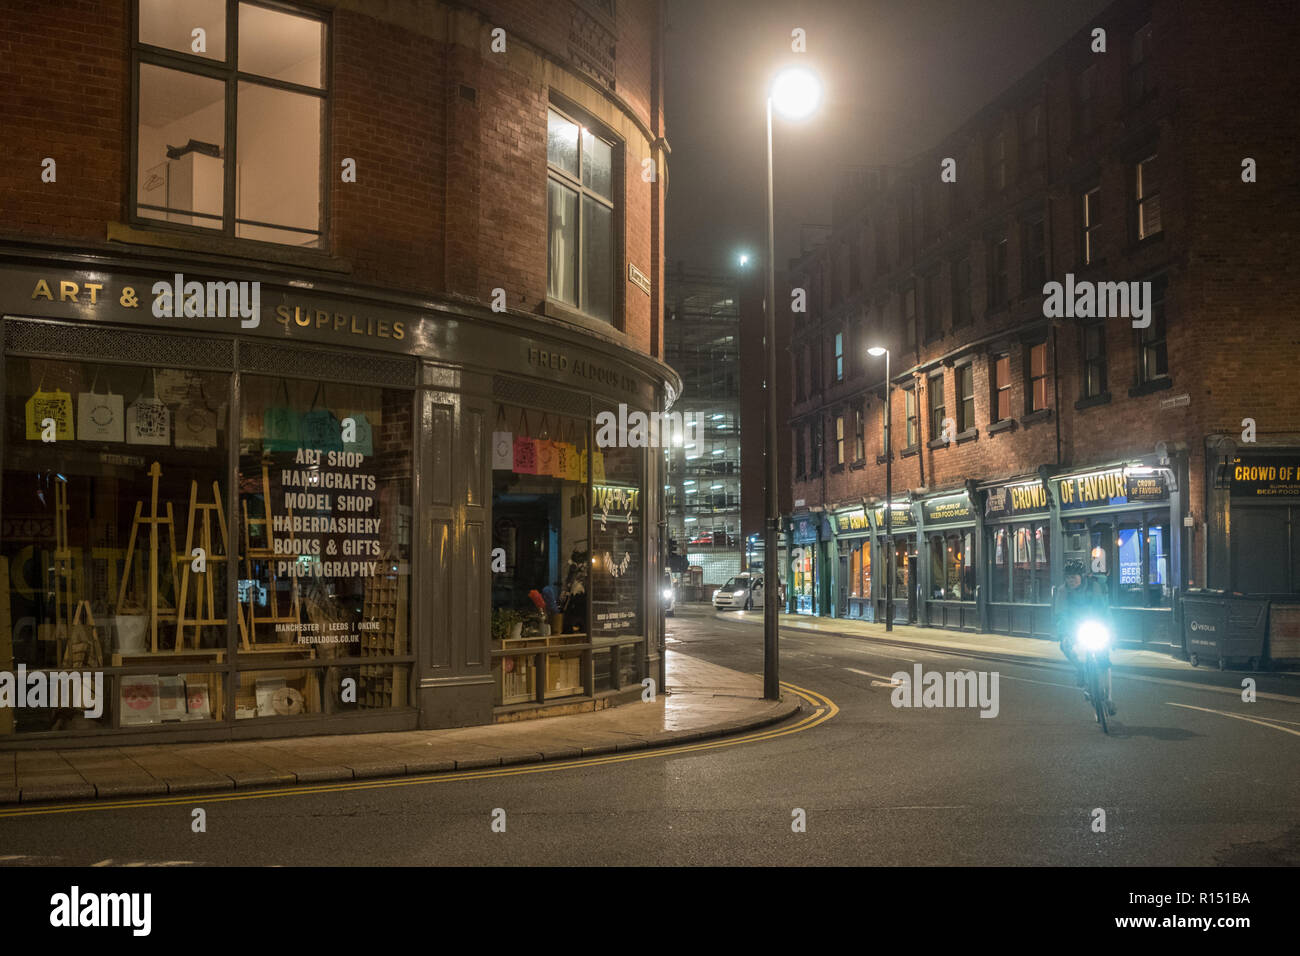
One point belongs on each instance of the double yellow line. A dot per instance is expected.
(823, 709)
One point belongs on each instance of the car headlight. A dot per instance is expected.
(1094, 635)
(668, 594)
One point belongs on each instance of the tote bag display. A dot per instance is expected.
(280, 425)
(100, 417)
(365, 442)
(320, 429)
(196, 427)
(148, 421)
(503, 447)
(56, 405)
(525, 451)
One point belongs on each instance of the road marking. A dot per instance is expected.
(1045, 683)
(825, 709)
(889, 681)
(1224, 713)
(108, 862)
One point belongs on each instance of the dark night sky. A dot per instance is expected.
(897, 75)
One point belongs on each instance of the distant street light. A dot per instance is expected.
(795, 93)
(877, 351)
(744, 259)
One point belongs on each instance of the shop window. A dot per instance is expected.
(855, 571)
(938, 576)
(1001, 387)
(580, 199)
(1000, 579)
(902, 550)
(1020, 568)
(186, 173)
(1094, 359)
(1147, 195)
(952, 571)
(965, 398)
(1036, 391)
(1042, 591)
(324, 540)
(111, 473)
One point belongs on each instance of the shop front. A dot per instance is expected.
(1121, 522)
(311, 518)
(1018, 582)
(896, 556)
(806, 564)
(853, 542)
(948, 571)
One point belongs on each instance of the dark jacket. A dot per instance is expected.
(1073, 606)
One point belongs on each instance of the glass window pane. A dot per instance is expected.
(274, 185)
(1042, 568)
(562, 260)
(562, 143)
(181, 137)
(937, 580)
(1158, 580)
(597, 164)
(171, 24)
(597, 260)
(1001, 576)
(281, 46)
(1130, 564)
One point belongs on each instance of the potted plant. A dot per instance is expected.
(506, 624)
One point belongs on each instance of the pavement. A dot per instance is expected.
(702, 701)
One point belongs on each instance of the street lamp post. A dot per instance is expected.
(795, 92)
(889, 489)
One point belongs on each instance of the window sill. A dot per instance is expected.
(1092, 401)
(858, 465)
(1006, 425)
(936, 443)
(1138, 245)
(970, 434)
(1033, 418)
(558, 310)
(226, 247)
(910, 452)
(881, 459)
(837, 469)
(1147, 388)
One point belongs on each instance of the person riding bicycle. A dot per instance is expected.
(1076, 602)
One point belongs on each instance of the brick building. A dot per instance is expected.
(334, 293)
(1024, 438)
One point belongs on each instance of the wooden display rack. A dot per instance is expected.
(563, 674)
(204, 587)
(294, 616)
(385, 602)
(154, 521)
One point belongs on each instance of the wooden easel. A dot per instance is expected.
(154, 521)
(64, 570)
(267, 554)
(205, 586)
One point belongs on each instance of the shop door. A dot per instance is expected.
(912, 587)
(842, 584)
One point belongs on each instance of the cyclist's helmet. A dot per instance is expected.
(1074, 567)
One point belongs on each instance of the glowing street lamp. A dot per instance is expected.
(795, 92)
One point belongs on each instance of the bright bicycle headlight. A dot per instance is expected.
(1094, 635)
(668, 594)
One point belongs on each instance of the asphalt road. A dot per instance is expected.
(1183, 780)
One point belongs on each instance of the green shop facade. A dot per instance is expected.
(988, 556)
(348, 510)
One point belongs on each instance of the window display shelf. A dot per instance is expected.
(215, 655)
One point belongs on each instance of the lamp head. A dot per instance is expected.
(796, 93)
(877, 350)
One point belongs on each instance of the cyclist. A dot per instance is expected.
(1076, 602)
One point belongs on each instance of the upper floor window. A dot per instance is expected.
(1091, 213)
(1094, 359)
(1036, 392)
(817, 442)
(909, 315)
(1085, 101)
(1035, 256)
(1031, 137)
(998, 162)
(912, 417)
(932, 321)
(1001, 387)
(859, 433)
(254, 70)
(1139, 81)
(815, 365)
(935, 391)
(839, 356)
(998, 272)
(798, 374)
(839, 439)
(884, 427)
(580, 217)
(961, 309)
(966, 397)
(800, 460)
(1153, 359)
(1148, 198)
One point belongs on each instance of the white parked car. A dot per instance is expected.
(744, 591)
